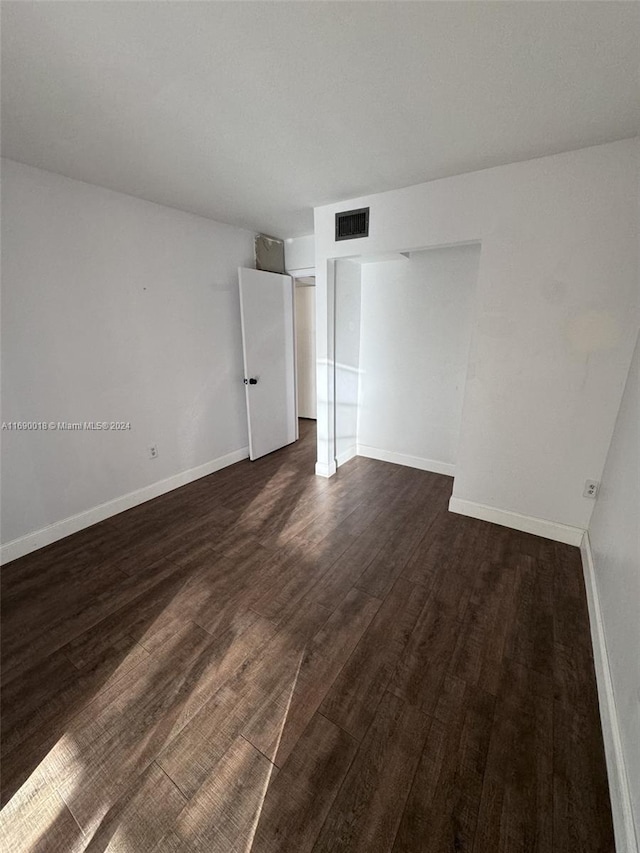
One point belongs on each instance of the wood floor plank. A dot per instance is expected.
(47, 827)
(519, 766)
(346, 570)
(223, 815)
(355, 560)
(435, 547)
(570, 616)
(41, 573)
(442, 807)
(84, 610)
(391, 560)
(368, 808)
(162, 533)
(111, 742)
(287, 505)
(299, 574)
(277, 727)
(531, 640)
(300, 794)
(421, 670)
(489, 625)
(141, 817)
(42, 701)
(146, 619)
(579, 790)
(40, 612)
(297, 797)
(191, 755)
(354, 697)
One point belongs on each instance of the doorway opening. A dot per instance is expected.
(305, 322)
(277, 313)
(402, 335)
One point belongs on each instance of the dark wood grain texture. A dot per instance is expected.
(267, 661)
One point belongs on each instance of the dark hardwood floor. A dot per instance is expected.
(264, 660)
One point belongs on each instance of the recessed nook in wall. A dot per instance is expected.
(402, 325)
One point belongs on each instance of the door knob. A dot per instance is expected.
(252, 381)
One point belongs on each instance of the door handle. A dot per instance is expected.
(252, 381)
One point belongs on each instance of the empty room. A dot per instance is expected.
(320, 446)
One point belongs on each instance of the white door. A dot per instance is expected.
(268, 344)
(306, 350)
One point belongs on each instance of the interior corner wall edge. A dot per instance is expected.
(114, 309)
(613, 563)
(556, 312)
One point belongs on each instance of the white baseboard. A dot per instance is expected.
(410, 461)
(623, 823)
(525, 523)
(324, 470)
(351, 453)
(46, 535)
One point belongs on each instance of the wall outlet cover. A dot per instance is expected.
(591, 489)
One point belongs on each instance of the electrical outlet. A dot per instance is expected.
(153, 451)
(590, 489)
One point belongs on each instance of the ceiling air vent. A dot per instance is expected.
(352, 223)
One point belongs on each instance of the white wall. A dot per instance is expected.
(347, 357)
(555, 325)
(305, 297)
(299, 253)
(414, 349)
(114, 309)
(614, 532)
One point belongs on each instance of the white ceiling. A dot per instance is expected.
(252, 113)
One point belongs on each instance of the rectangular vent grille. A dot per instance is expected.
(352, 224)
